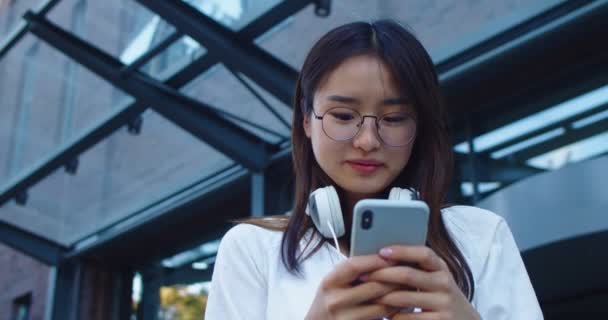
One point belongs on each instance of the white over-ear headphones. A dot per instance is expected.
(324, 208)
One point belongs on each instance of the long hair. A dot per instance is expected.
(430, 166)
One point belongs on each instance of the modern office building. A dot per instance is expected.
(133, 131)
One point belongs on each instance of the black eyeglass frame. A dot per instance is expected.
(376, 119)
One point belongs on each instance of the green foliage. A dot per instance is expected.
(178, 304)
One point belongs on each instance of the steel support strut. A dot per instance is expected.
(107, 126)
(269, 72)
(194, 116)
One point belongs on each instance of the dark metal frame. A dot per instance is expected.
(210, 33)
(84, 142)
(255, 29)
(192, 115)
(65, 286)
(490, 170)
(523, 62)
(272, 74)
(136, 246)
(508, 36)
(496, 69)
(18, 34)
(39, 248)
(572, 135)
(48, 252)
(565, 123)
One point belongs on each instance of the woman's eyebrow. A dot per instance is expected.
(385, 102)
(343, 99)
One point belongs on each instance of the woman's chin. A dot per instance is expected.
(364, 190)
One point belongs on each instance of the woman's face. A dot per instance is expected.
(364, 165)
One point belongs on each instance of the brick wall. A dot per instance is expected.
(20, 275)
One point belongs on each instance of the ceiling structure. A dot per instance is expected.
(114, 135)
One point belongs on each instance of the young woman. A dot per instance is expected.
(368, 117)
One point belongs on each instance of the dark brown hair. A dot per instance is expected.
(429, 168)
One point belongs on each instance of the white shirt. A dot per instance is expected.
(250, 281)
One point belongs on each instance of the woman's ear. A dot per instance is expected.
(306, 125)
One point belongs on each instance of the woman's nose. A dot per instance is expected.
(367, 137)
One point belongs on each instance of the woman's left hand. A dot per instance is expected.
(438, 295)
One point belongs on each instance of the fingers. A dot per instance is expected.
(371, 311)
(425, 257)
(408, 276)
(407, 299)
(417, 316)
(366, 292)
(352, 268)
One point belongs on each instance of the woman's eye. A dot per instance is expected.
(395, 119)
(342, 116)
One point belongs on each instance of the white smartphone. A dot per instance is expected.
(378, 223)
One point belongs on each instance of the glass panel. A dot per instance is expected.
(575, 152)
(528, 143)
(591, 119)
(233, 14)
(11, 12)
(219, 88)
(47, 101)
(180, 54)
(444, 27)
(116, 178)
(22, 307)
(124, 29)
(539, 120)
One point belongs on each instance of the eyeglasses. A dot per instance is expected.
(395, 129)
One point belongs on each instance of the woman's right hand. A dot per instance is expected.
(337, 298)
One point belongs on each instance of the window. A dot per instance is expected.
(21, 307)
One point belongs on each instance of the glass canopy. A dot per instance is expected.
(233, 14)
(444, 28)
(180, 54)
(116, 178)
(244, 108)
(11, 13)
(50, 101)
(123, 29)
(47, 101)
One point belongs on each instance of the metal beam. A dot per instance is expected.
(21, 31)
(548, 59)
(489, 170)
(186, 275)
(472, 173)
(563, 123)
(269, 72)
(546, 21)
(39, 248)
(257, 193)
(572, 135)
(149, 304)
(194, 116)
(194, 213)
(65, 288)
(68, 151)
(112, 123)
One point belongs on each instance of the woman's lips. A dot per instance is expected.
(365, 166)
